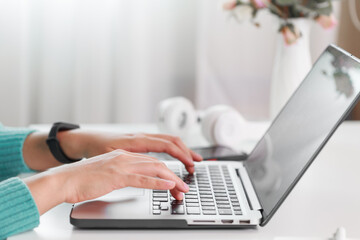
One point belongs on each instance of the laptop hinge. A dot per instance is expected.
(249, 190)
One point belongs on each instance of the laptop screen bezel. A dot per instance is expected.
(266, 218)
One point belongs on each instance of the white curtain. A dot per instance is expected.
(93, 61)
(110, 61)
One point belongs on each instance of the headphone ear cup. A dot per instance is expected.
(176, 116)
(222, 125)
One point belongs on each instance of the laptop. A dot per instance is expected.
(243, 194)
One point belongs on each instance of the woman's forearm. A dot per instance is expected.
(37, 155)
(47, 190)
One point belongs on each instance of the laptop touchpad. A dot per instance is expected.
(123, 193)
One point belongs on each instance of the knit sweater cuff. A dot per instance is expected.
(11, 146)
(18, 211)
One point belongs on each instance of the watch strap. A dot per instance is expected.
(54, 144)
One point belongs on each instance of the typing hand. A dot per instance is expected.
(80, 143)
(97, 176)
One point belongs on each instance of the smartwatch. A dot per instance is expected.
(54, 144)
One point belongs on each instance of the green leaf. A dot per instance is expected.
(321, 7)
(285, 2)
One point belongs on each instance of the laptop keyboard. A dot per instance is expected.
(211, 193)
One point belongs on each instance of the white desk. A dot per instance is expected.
(326, 197)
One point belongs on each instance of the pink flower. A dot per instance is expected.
(327, 22)
(260, 3)
(290, 36)
(230, 5)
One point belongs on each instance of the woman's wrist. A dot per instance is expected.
(73, 143)
(47, 189)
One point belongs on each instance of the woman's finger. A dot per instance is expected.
(177, 194)
(197, 157)
(141, 181)
(176, 140)
(139, 155)
(160, 170)
(163, 145)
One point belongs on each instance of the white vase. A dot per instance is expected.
(291, 65)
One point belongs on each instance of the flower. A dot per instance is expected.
(290, 34)
(260, 3)
(327, 22)
(319, 10)
(243, 12)
(230, 5)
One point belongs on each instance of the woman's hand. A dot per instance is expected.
(97, 176)
(81, 143)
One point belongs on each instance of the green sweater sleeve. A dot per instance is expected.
(18, 211)
(11, 158)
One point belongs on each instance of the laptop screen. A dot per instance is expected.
(303, 126)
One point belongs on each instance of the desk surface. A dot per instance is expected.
(325, 198)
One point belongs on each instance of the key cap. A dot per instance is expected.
(208, 207)
(220, 194)
(223, 207)
(206, 196)
(220, 191)
(192, 200)
(164, 208)
(237, 208)
(160, 199)
(193, 210)
(218, 186)
(177, 209)
(221, 198)
(191, 196)
(160, 194)
(209, 212)
(156, 207)
(177, 202)
(207, 200)
(237, 212)
(192, 204)
(207, 204)
(191, 193)
(205, 193)
(156, 212)
(215, 182)
(222, 203)
(225, 211)
(156, 203)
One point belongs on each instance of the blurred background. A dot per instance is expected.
(112, 61)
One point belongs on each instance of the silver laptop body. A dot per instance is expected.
(238, 194)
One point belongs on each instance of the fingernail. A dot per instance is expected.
(191, 170)
(181, 197)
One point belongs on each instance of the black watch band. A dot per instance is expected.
(54, 144)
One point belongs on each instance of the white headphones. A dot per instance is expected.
(220, 124)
